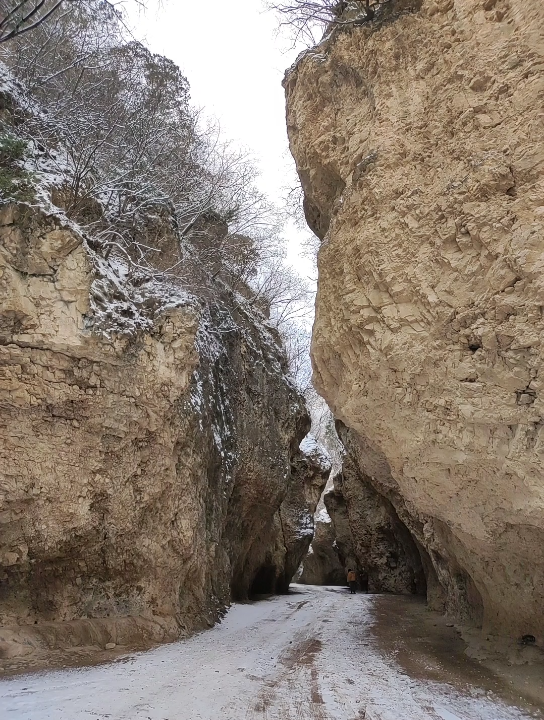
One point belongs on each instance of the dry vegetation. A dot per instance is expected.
(117, 128)
(306, 20)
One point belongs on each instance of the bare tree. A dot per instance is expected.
(296, 339)
(23, 16)
(308, 18)
(294, 208)
(137, 167)
(18, 17)
(323, 427)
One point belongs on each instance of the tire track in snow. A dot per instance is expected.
(311, 655)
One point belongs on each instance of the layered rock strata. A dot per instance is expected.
(147, 435)
(419, 141)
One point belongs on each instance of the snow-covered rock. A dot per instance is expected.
(318, 454)
(150, 435)
(294, 522)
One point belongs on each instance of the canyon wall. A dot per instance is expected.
(419, 141)
(382, 548)
(294, 522)
(322, 564)
(149, 438)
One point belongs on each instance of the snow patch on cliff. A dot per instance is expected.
(316, 452)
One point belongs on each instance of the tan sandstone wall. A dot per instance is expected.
(146, 443)
(293, 523)
(419, 140)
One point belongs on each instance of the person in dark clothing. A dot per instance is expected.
(352, 581)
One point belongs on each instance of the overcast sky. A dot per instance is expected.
(235, 62)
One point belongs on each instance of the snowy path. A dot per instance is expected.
(312, 655)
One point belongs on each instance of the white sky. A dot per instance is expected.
(235, 62)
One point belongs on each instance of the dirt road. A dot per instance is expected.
(316, 654)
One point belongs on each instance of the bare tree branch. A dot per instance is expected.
(18, 17)
(308, 19)
(155, 188)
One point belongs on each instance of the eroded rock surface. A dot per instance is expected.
(385, 552)
(322, 565)
(336, 506)
(147, 441)
(420, 144)
(294, 521)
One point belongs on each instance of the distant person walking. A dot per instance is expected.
(352, 581)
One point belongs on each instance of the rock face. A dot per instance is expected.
(148, 437)
(419, 141)
(322, 565)
(385, 553)
(337, 510)
(294, 521)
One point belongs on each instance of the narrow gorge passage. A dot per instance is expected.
(317, 653)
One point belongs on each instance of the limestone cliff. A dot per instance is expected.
(294, 521)
(419, 141)
(149, 439)
(336, 506)
(380, 544)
